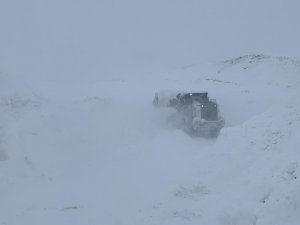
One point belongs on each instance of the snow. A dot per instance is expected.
(99, 153)
(80, 142)
(68, 39)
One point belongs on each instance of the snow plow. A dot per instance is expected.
(196, 113)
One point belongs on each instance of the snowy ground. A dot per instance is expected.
(101, 154)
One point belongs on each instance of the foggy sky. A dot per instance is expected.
(70, 39)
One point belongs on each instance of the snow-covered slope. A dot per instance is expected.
(100, 154)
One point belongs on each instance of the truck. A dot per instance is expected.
(196, 113)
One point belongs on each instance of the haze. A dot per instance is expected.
(82, 144)
(70, 39)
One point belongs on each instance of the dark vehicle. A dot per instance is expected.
(197, 114)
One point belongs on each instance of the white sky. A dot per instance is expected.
(100, 38)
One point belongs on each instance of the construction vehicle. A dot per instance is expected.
(196, 113)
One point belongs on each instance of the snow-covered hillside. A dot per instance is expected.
(101, 154)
